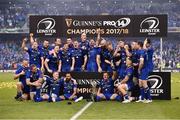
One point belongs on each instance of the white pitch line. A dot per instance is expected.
(74, 117)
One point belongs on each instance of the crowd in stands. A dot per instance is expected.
(14, 14)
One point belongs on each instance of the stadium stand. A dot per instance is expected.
(14, 14)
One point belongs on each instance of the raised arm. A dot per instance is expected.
(128, 53)
(23, 46)
(144, 45)
(32, 40)
(98, 37)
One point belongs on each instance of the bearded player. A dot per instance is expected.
(69, 88)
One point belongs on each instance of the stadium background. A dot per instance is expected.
(14, 26)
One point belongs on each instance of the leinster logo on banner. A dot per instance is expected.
(156, 83)
(46, 26)
(160, 85)
(149, 26)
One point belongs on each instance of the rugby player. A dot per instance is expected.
(143, 71)
(69, 88)
(79, 56)
(135, 61)
(122, 51)
(35, 55)
(53, 61)
(22, 87)
(54, 87)
(34, 81)
(106, 90)
(91, 57)
(127, 82)
(67, 60)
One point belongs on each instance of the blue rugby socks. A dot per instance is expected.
(147, 93)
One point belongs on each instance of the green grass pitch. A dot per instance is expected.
(159, 109)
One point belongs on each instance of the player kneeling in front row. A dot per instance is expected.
(34, 80)
(22, 87)
(53, 89)
(106, 88)
(69, 88)
(127, 83)
(55, 85)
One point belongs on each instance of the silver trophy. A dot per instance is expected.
(94, 90)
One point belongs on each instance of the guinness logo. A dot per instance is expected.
(68, 22)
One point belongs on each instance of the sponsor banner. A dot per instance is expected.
(46, 26)
(160, 83)
(110, 25)
(150, 25)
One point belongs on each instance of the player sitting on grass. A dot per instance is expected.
(69, 88)
(34, 80)
(127, 83)
(22, 88)
(54, 85)
(106, 88)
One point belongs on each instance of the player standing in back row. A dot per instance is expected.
(143, 71)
